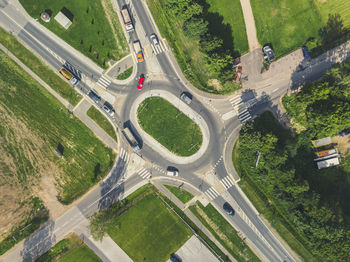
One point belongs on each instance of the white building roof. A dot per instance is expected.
(322, 142)
(328, 162)
(63, 20)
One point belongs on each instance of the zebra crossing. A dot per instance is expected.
(157, 49)
(144, 173)
(241, 109)
(124, 155)
(103, 82)
(227, 182)
(212, 193)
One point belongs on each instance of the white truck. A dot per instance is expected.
(127, 20)
(131, 139)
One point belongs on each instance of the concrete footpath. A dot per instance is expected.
(250, 25)
(159, 184)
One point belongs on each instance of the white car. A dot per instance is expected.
(154, 39)
(172, 171)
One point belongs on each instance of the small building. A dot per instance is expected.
(63, 20)
(322, 142)
(328, 162)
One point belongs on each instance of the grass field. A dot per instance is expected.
(186, 50)
(169, 126)
(223, 232)
(61, 86)
(149, 231)
(341, 7)
(126, 74)
(94, 32)
(183, 195)
(231, 12)
(34, 126)
(70, 249)
(284, 24)
(102, 121)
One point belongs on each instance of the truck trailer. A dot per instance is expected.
(69, 76)
(138, 51)
(131, 139)
(127, 20)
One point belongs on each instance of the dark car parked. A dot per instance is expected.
(94, 96)
(228, 209)
(305, 52)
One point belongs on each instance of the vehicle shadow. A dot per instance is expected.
(39, 242)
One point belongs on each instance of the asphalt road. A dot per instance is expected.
(215, 161)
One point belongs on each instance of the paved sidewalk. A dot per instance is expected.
(80, 112)
(189, 214)
(250, 25)
(175, 101)
(106, 249)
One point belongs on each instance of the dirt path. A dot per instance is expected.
(250, 25)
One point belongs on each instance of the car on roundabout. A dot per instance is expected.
(141, 81)
(172, 171)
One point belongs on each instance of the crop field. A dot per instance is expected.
(169, 126)
(95, 30)
(341, 7)
(149, 231)
(285, 25)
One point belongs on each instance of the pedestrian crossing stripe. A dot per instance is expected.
(123, 154)
(235, 99)
(212, 193)
(144, 173)
(103, 82)
(227, 182)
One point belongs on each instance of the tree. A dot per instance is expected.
(210, 44)
(192, 10)
(194, 28)
(216, 63)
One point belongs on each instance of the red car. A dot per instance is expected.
(140, 83)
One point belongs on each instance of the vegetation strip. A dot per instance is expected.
(70, 249)
(62, 87)
(183, 195)
(223, 232)
(102, 121)
(126, 74)
(169, 126)
(90, 32)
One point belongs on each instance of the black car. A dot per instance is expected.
(228, 209)
(94, 96)
(175, 258)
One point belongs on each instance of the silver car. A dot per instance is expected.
(154, 39)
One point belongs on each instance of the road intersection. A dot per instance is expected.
(212, 173)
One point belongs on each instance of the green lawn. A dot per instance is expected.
(70, 249)
(183, 195)
(223, 232)
(91, 33)
(169, 126)
(341, 7)
(149, 231)
(284, 24)
(126, 74)
(85, 159)
(231, 12)
(102, 121)
(62, 87)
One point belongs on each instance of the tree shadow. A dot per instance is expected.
(39, 242)
(67, 13)
(217, 27)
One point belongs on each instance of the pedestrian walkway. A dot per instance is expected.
(227, 182)
(124, 155)
(103, 82)
(241, 109)
(144, 173)
(250, 25)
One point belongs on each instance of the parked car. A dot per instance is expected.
(140, 83)
(305, 52)
(154, 39)
(228, 209)
(108, 108)
(94, 96)
(268, 53)
(172, 171)
(175, 258)
(186, 97)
